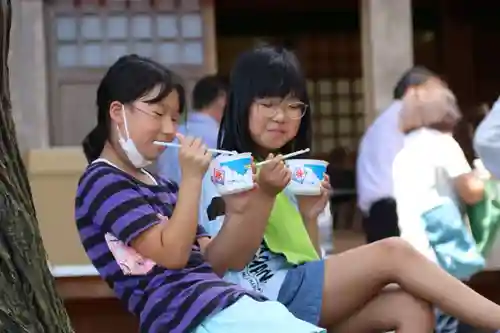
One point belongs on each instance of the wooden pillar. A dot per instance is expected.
(457, 50)
(209, 36)
(387, 47)
(28, 74)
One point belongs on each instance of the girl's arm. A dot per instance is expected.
(241, 233)
(118, 208)
(169, 242)
(469, 187)
(238, 238)
(313, 232)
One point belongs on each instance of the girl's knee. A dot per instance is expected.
(394, 243)
(393, 255)
(394, 248)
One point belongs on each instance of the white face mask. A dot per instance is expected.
(129, 147)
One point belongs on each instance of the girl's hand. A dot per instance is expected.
(310, 207)
(194, 158)
(274, 176)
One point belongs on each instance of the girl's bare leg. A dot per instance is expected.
(353, 278)
(391, 310)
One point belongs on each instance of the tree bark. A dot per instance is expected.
(28, 300)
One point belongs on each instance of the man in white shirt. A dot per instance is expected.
(377, 151)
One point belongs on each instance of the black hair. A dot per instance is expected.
(262, 72)
(414, 76)
(128, 79)
(206, 90)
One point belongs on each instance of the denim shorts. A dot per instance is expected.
(302, 291)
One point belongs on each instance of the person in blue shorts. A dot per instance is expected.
(269, 114)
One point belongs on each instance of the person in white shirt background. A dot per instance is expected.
(430, 169)
(377, 150)
(209, 101)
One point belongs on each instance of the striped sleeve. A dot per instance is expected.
(173, 188)
(201, 232)
(114, 204)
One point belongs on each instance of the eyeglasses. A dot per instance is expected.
(293, 110)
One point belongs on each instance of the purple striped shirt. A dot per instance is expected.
(112, 209)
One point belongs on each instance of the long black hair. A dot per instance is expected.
(263, 72)
(128, 79)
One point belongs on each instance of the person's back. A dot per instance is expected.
(424, 172)
(426, 166)
(209, 101)
(428, 185)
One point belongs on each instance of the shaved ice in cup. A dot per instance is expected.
(307, 175)
(232, 174)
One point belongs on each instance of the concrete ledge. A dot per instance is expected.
(55, 161)
(54, 174)
(62, 271)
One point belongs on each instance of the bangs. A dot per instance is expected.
(265, 73)
(138, 77)
(162, 93)
(157, 78)
(166, 82)
(277, 81)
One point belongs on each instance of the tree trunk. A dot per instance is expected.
(28, 300)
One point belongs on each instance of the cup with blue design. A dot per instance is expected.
(307, 175)
(232, 174)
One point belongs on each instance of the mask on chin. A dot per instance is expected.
(129, 147)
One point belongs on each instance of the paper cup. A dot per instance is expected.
(306, 176)
(232, 173)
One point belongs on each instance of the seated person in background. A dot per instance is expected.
(141, 231)
(377, 150)
(431, 169)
